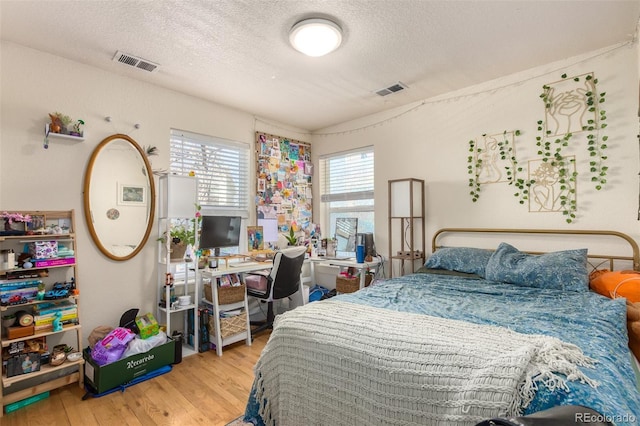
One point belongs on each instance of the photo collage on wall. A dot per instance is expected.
(284, 173)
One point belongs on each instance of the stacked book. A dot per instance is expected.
(15, 292)
(45, 313)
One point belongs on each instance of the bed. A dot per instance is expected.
(476, 333)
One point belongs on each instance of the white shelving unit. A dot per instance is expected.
(48, 377)
(177, 201)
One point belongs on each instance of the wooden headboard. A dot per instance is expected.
(629, 248)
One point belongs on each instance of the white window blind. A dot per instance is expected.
(221, 166)
(347, 175)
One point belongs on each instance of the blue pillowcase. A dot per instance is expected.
(461, 259)
(560, 270)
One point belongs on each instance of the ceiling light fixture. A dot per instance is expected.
(315, 37)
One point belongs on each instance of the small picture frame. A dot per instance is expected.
(38, 222)
(255, 238)
(65, 225)
(132, 195)
(15, 226)
(262, 185)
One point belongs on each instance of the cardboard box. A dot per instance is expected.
(43, 249)
(23, 363)
(147, 325)
(106, 377)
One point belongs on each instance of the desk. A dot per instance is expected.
(217, 307)
(224, 270)
(259, 266)
(362, 268)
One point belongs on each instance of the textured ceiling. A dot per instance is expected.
(236, 52)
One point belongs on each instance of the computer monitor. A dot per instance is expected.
(220, 232)
(346, 230)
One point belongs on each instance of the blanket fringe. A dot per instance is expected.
(552, 358)
(264, 406)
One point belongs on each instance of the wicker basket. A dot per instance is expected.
(350, 285)
(229, 326)
(226, 295)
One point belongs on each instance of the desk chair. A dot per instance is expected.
(283, 281)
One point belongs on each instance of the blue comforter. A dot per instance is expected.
(594, 323)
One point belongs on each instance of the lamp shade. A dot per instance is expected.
(406, 198)
(177, 196)
(315, 37)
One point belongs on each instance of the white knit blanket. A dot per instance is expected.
(338, 363)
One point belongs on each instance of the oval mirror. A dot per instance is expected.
(119, 197)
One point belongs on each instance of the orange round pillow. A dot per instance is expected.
(617, 284)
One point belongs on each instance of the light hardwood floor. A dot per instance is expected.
(202, 389)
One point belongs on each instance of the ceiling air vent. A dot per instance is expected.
(135, 61)
(392, 89)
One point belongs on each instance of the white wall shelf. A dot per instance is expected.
(49, 134)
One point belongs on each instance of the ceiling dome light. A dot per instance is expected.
(315, 37)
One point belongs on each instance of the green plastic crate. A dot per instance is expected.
(107, 377)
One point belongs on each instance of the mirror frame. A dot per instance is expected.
(87, 204)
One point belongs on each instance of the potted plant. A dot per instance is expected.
(77, 129)
(182, 234)
(291, 237)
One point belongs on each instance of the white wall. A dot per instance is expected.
(34, 84)
(431, 143)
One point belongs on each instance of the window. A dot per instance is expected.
(222, 169)
(346, 187)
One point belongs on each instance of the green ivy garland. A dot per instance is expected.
(506, 150)
(596, 144)
(474, 161)
(552, 153)
(473, 168)
(596, 141)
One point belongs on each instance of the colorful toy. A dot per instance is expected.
(57, 321)
(41, 292)
(60, 290)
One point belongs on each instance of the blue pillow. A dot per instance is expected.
(461, 259)
(560, 270)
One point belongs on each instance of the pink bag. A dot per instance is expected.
(112, 347)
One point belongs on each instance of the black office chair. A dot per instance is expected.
(283, 281)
